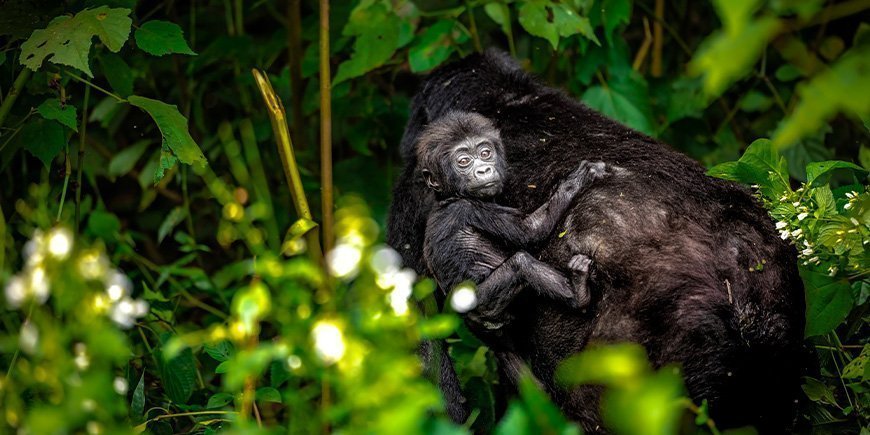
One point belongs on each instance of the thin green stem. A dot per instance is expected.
(66, 174)
(85, 81)
(17, 86)
(473, 27)
(83, 130)
(2, 236)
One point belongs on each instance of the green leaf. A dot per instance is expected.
(268, 394)
(65, 114)
(760, 165)
(828, 302)
(118, 73)
(126, 159)
(43, 138)
(819, 173)
(434, 46)
(625, 101)
(858, 367)
(551, 20)
(438, 326)
(137, 403)
(604, 365)
(376, 29)
(219, 400)
(179, 376)
(843, 88)
(293, 243)
(67, 40)
(740, 41)
(173, 128)
(173, 218)
(614, 13)
(221, 351)
(104, 225)
(817, 391)
(160, 38)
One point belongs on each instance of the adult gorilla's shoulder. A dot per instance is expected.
(674, 249)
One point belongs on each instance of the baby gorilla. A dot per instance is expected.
(470, 238)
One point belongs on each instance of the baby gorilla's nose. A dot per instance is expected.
(481, 172)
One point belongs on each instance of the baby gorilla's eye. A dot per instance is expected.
(485, 153)
(464, 161)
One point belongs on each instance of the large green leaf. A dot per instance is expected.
(819, 173)
(118, 73)
(828, 302)
(161, 37)
(63, 113)
(760, 165)
(434, 46)
(625, 100)
(177, 143)
(179, 376)
(43, 138)
(842, 88)
(729, 53)
(67, 40)
(552, 19)
(376, 29)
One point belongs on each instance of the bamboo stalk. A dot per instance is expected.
(17, 86)
(326, 128)
(288, 159)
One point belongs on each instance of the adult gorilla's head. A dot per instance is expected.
(461, 155)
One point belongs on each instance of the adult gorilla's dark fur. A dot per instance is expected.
(674, 250)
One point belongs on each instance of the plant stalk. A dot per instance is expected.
(326, 128)
(17, 86)
(288, 159)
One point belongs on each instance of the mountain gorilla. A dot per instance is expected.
(468, 237)
(674, 251)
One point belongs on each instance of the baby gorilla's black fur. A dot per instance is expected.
(470, 238)
(674, 251)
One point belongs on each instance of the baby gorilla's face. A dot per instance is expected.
(475, 161)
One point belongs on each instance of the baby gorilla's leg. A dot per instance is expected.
(503, 285)
(579, 267)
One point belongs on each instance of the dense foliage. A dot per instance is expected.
(162, 268)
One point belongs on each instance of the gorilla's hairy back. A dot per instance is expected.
(676, 252)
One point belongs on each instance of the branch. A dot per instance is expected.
(17, 86)
(325, 128)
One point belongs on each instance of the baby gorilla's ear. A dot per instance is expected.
(430, 180)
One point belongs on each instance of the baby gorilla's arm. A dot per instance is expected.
(503, 285)
(511, 226)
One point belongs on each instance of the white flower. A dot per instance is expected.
(28, 338)
(802, 216)
(780, 225)
(344, 259)
(117, 286)
(854, 221)
(464, 299)
(832, 270)
(120, 385)
(783, 235)
(807, 252)
(328, 342)
(796, 203)
(125, 311)
(15, 292)
(847, 206)
(796, 232)
(59, 243)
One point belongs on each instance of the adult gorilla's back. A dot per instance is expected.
(689, 266)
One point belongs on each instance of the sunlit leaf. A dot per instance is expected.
(551, 20)
(219, 400)
(376, 30)
(173, 129)
(67, 40)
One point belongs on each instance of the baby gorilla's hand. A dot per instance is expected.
(586, 173)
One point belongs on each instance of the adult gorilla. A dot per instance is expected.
(675, 251)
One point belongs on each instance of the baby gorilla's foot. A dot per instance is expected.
(579, 267)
